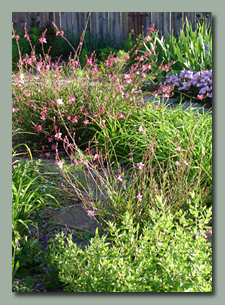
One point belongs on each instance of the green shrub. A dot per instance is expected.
(169, 256)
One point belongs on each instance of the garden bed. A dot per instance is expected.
(117, 196)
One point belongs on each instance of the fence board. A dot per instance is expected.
(75, 23)
(105, 25)
(124, 26)
(69, 24)
(166, 25)
(117, 29)
(112, 25)
(99, 24)
(179, 22)
(192, 20)
(93, 24)
(56, 20)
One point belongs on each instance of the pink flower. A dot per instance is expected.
(140, 165)
(14, 110)
(102, 123)
(60, 33)
(177, 149)
(42, 40)
(95, 157)
(47, 154)
(27, 93)
(85, 112)
(59, 102)
(86, 122)
(89, 62)
(126, 56)
(142, 130)
(43, 117)
(118, 178)
(177, 162)
(74, 120)
(39, 128)
(156, 107)
(91, 213)
(185, 163)
(200, 97)
(58, 136)
(59, 164)
(49, 139)
(53, 147)
(68, 117)
(139, 197)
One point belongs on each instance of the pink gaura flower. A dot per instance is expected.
(95, 157)
(14, 110)
(140, 165)
(89, 61)
(59, 164)
(91, 213)
(156, 106)
(39, 128)
(49, 139)
(47, 154)
(85, 112)
(200, 97)
(68, 117)
(27, 93)
(42, 40)
(53, 147)
(58, 136)
(86, 122)
(185, 163)
(118, 178)
(102, 123)
(75, 119)
(177, 162)
(141, 129)
(177, 149)
(127, 56)
(60, 33)
(59, 102)
(139, 197)
(43, 117)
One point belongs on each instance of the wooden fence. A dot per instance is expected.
(111, 25)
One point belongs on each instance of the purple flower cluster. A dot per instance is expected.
(189, 80)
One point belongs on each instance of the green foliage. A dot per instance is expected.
(188, 51)
(169, 256)
(30, 192)
(22, 286)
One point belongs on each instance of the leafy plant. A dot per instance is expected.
(30, 192)
(167, 257)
